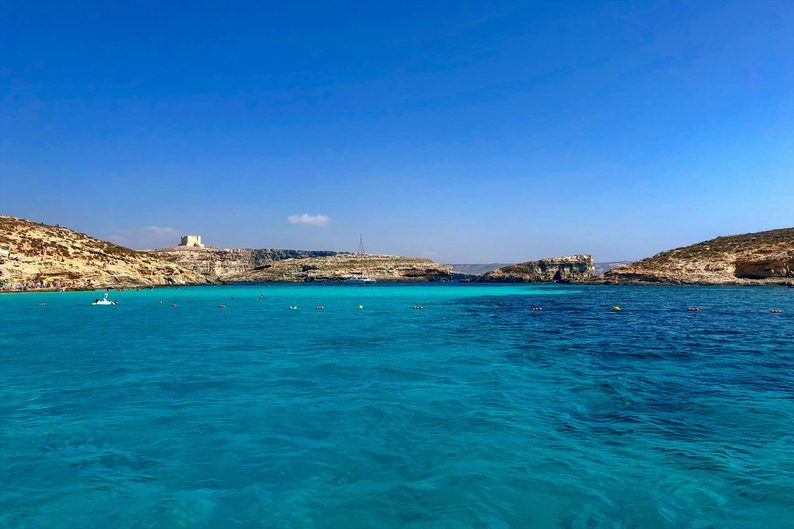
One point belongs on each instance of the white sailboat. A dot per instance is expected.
(361, 277)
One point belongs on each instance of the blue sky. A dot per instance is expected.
(462, 131)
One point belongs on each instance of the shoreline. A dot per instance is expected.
(781, 284)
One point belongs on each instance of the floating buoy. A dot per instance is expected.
(361, 306)
(615, 309)
(775, 311)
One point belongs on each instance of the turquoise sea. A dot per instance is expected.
(476, 412)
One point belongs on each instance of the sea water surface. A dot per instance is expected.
(476, 412)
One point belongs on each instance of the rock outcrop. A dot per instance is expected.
(753, 258)
(34, 255)
(222, 264)
(342, 266)
(573, 268)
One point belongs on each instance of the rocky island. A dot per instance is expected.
(765, 257)
(573, 268)
(34, 256)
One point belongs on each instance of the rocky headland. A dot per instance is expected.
(765, 257)
(573, 268)
(34, 255)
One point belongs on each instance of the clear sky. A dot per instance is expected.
(462, 131)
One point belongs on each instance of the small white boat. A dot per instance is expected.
(359, 280)
(104, 301)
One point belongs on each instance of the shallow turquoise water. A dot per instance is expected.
(474, 412)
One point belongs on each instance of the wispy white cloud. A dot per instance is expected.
(147, 237)
(312, 220)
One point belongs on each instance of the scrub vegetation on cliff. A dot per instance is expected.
(44, 256)
(751, 258)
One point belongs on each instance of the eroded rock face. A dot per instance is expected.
(752, 258)
(765, 269)
(342, 266)
(46, 256)
(221, 264)
(562, 269)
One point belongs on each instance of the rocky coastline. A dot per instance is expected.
(35, 256)
(762, 258)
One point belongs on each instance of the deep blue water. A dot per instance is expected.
(474, 412)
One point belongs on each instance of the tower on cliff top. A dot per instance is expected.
(192, 240)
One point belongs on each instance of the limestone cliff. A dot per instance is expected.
(753, 258)
(38, 255)
(221, 264)
(341, 266)
(571, 268)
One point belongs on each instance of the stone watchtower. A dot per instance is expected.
(191, 240)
